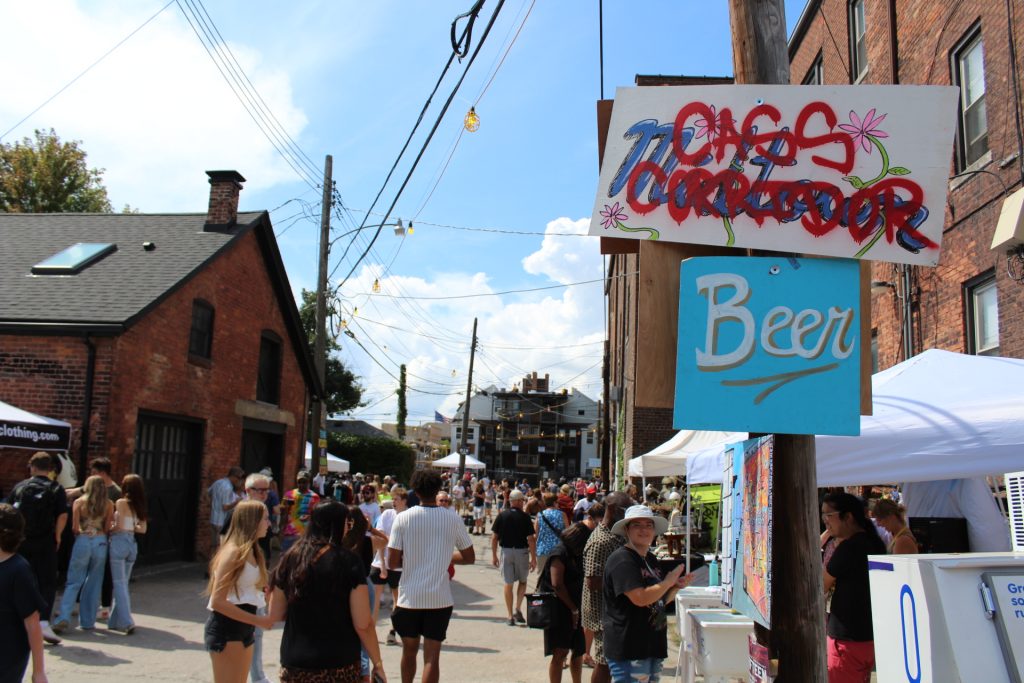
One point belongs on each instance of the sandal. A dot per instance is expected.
(588, 662)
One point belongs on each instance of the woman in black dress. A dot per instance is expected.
(564, 571)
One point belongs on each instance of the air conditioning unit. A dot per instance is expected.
(1015, 505)
(1010, 228)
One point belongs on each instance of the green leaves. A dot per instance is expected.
(855, 181)
(899, 170)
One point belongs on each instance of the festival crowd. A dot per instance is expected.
(600, 592)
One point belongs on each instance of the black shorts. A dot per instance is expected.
(392, 579)
(429, 623)
(221, 630)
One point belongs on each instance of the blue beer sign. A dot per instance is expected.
(768, 344)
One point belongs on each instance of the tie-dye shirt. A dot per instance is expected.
(300, 510)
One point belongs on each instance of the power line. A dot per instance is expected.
(87, 70)
(473, 296)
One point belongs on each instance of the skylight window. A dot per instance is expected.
(74, 259)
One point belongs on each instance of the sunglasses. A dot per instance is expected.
(260, 489)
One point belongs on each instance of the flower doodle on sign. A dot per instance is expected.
(868, 136)
(613, 217)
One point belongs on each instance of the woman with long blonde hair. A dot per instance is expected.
(91, 517)
(129, 519)
(237, 589)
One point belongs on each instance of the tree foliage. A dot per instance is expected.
(374, 454)
(342, 386)
(45, 175)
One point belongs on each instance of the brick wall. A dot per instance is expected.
(928, 33)
(147, 368)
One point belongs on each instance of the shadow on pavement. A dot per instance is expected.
(469, 648)
(83, 655)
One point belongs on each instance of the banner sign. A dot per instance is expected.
(768, 345)
(34, 436)
(756, 527)
(851, 171)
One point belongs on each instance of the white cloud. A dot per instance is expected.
(546, 331)
(155, 113)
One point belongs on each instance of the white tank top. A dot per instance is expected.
(246, 592)
(124, 522)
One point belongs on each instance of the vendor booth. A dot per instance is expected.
(22, 429)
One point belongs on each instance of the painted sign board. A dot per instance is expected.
(1003, 592)
(850, 171)
(768, 344)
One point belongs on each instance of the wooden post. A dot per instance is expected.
(798, 605)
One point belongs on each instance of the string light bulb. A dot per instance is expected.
(411, 230)
(376, 286)
(472, 120)
(355, 311)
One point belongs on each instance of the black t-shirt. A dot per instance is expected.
(19, 598)
(478, 500)
(632, 632)
(850, 615)
(514, 528)
(40, 502)
(318, 631)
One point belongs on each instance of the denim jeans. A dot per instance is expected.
(123, 552)
(635, 670)
(85, 574)
(365, 665)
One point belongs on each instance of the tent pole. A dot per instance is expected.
(689, 525)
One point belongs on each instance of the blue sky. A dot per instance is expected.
(348, 79)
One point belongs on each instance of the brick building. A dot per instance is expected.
(968, 303)
(171, 343)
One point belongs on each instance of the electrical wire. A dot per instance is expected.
(426, 143)
(87, 70)
(474, 296)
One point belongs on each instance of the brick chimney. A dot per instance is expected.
(224, 189)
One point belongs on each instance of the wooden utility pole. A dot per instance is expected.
(465, 406)
(798, 605)
(320, 342)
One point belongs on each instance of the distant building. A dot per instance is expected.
(430, 439)
(357, 428)
(532, 431)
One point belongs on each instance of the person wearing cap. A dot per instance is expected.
(513, 530)
(635, 594)
(579, 511)
(299, 502)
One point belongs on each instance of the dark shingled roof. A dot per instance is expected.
(110, 294)
(357, 428)
(118, 287)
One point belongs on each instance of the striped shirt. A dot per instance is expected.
(427, 536)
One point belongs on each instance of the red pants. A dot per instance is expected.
(850, 661)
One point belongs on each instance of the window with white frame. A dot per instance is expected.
(590, 436)
(982, 302)
(858, 41)
(968, 65)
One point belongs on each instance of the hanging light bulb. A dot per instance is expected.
(453, 373)
(472, 120)
(411, 229)
(376, 286)
(355, 311)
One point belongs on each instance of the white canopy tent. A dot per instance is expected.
(22, 429)
(452, 462)
(942, 422)
(939, 416)
(669, 459)
(334, 463)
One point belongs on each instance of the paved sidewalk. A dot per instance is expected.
(168, 642)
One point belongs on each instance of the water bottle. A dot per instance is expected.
(713, 578)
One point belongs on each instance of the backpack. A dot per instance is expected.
(34, 499)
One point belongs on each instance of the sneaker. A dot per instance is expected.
(51, 637)
(519, 617)
(392, 637)
(511, 621)
(104, 614)
(58, 627)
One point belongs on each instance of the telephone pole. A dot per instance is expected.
(465, 406)
(797, 622)
(320, 341)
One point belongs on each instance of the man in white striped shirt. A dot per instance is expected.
(425, 541)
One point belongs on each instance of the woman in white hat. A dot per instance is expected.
(635, 593)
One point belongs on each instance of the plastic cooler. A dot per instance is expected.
(934, 620)
(721, 651)
(689, 598)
